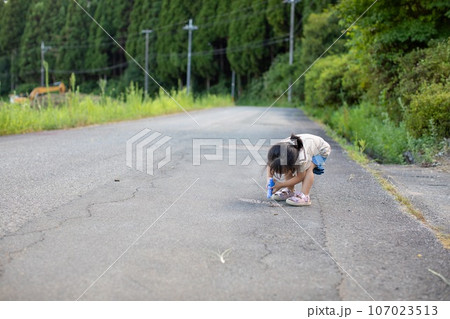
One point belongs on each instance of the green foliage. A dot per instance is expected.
(254, 94)
(372, 131)
(4, 75)
(388, 31)
(205, 65)
(44, 16)
(276, 79)
(323, 87)
(427, 147)
(26, 88)
(247, 31)
(87, 110)
(396, 56)
(277, 14)
(392, 27)
(222, 87)
(144, 16)
(113, 16)
(430, 65)
(172, 43)
(13, 19)
(71, 51)
(429, 111)
(314, 6)
(319, 33)
(73, 82)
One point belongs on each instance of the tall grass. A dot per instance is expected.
(372, 131)
(77, 110)
(368, 128)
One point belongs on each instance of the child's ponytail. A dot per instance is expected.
(296, 142)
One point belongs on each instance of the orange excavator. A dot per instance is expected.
(56, 87)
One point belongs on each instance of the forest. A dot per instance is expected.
(377, 72)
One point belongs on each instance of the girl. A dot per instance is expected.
(298, 158)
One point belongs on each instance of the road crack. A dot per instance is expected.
(10, 255)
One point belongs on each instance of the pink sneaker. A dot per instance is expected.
(299, 199)
(283, 194)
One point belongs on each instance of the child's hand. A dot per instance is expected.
(269, 187)
(277, 186)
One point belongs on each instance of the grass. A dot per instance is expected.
(409, 207)
(370, 128)
(356, 153)
(78, 110)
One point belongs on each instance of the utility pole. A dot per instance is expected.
(233, 84)
(13, 53)
(291, 41)
(190, 27)
(43, 50)
(146, 32)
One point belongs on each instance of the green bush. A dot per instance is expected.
(223, 87)
(430, 65)
(276, 79)
(429, 111)
(254, 93)
(371, 129)
(320, 30)
(26, 88)
(274, 82)
(323, 82)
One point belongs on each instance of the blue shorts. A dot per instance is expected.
(319, 160)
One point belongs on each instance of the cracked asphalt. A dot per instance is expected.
(77, 223)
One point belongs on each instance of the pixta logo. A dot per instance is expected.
(142, 147)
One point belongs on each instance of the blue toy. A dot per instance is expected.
(269, 188)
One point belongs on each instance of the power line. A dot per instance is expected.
(251, 45)
(220, 51)
(112, 67)
(239, 10)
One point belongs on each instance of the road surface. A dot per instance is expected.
(78, 224)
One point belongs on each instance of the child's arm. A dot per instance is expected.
(289, 183)
(269, 174)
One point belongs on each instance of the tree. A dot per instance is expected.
(144, 16)
(103, 52)
(44, 17)
(278, 16)
(13, 17)
(72, 40)
(171, 43)
(315, 6)
(387, 32)
(12, 24)
(391, 28)
(247, 33)
(205, 66)
(320, 30)
(4, 59)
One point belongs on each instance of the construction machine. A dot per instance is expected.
(56, 87)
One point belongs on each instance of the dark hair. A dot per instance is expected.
(282, 157)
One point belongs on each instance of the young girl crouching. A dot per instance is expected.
(298, 158)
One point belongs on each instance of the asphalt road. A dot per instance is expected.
(77, 223)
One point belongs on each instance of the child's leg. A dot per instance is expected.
(308, 180)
